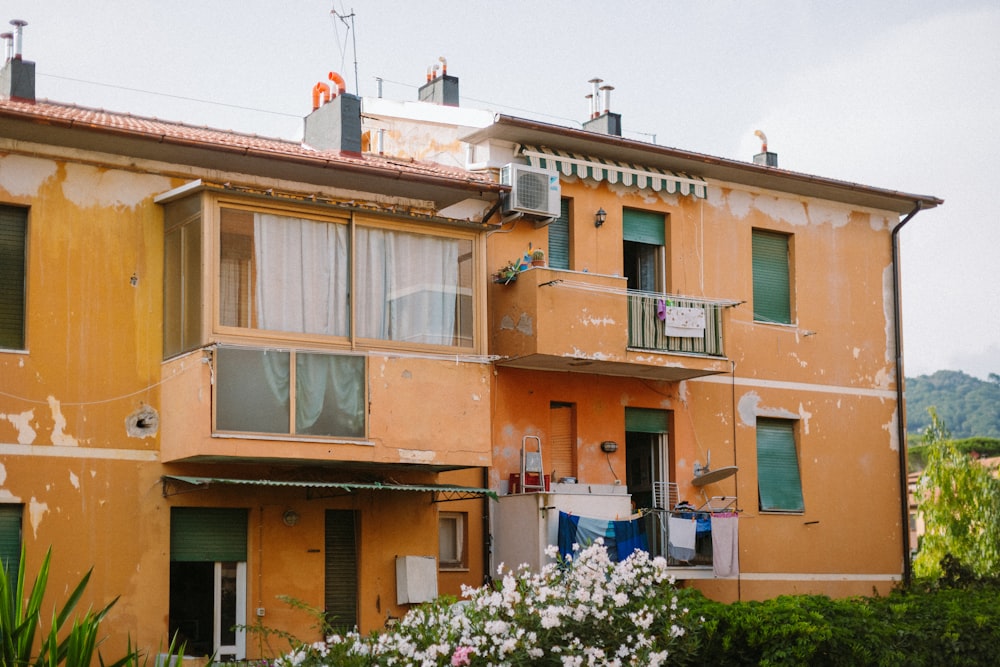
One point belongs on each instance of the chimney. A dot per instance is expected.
(441, 89)
(764, 158)
(602, 120)
(334, 125)
(17, 78)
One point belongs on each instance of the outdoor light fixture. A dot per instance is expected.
(600, 217)
(609, 446)
(290, 517)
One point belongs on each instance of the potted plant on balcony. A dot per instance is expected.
(538, 257)
(507, 273)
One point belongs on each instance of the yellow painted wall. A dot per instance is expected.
(832, 371)
(91, 487)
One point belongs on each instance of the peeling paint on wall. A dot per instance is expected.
(23, 176)
(804, 419)
(59, 437)
(5, 494)
(416, 455)
(88, 186)
(525, 325)
(507, 323)
(747, 408)
(74, 480)
(893, 429)
(36, 511)
(22, 422)
(888, 280)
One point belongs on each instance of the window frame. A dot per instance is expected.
(768, 274)
(292, 432)
(15, 299)
(782, 441)
(476, 278)
(460, 545)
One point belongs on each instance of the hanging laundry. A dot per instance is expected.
(725, 544)
(681, 537)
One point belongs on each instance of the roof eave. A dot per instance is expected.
(323, 169)
(520, 130)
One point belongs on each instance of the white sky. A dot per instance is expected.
(899, 94)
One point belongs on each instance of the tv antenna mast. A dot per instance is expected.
(354, 42)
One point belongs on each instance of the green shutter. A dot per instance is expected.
(778, 478)
(211, 534)
(10, 537)
(644, 227)
(341, 585)
(645, 420)
(771, 284)
(13, 232)
(559, 238)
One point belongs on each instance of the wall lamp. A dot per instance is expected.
(290, 517)
(600, 217)
(609, 446)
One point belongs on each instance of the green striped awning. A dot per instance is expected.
(174, 484)
(614, 172)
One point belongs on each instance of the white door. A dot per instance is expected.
(230, 609)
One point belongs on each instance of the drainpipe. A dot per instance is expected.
(904, 488)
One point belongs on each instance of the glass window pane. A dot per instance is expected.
(414, 287)
(778, 480)
(329, 395)
(252, 390)
(283, 274)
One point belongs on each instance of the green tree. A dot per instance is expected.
(959, 499)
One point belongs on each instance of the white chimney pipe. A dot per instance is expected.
(595, 100)
(8, 38)
(18, 37)
(607, 97)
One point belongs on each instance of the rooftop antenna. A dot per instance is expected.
(354, 42)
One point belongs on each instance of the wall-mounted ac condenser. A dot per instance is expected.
(534, 191)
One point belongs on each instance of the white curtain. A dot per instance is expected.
(407, 286)
(302, 287)
(302, 275)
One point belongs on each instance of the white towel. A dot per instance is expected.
(681, 538)
(725, 545)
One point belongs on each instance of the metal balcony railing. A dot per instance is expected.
(669, 323)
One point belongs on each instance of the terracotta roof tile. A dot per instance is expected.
(44, 111)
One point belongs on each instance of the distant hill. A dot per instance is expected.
(969, 407)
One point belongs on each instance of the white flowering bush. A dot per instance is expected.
(584, 610)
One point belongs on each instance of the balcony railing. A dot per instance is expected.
(668, 323)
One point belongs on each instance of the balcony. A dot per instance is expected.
(580, 322)
(306, 407)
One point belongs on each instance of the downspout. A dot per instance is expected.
(904, 488)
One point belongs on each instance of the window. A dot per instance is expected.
(771, 278)
(294, 275)
(559, 238)
(778, 481)
(562, 440)
(341, 569)
(644, 234)
(208, 553)
(13, 266)
(10, 537)
(182, 276)
(287, 392)
(451, 540)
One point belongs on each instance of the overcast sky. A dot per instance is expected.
(895, 94)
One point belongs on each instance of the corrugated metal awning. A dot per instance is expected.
(174, 484)
(613, 171)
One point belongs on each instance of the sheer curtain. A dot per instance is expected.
(302, 287)
(407, 286)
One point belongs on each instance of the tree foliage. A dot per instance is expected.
(970, 406)
(959, 499)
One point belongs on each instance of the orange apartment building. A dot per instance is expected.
(705, 333)
(235, 368)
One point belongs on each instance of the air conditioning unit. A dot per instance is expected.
(534, 191)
